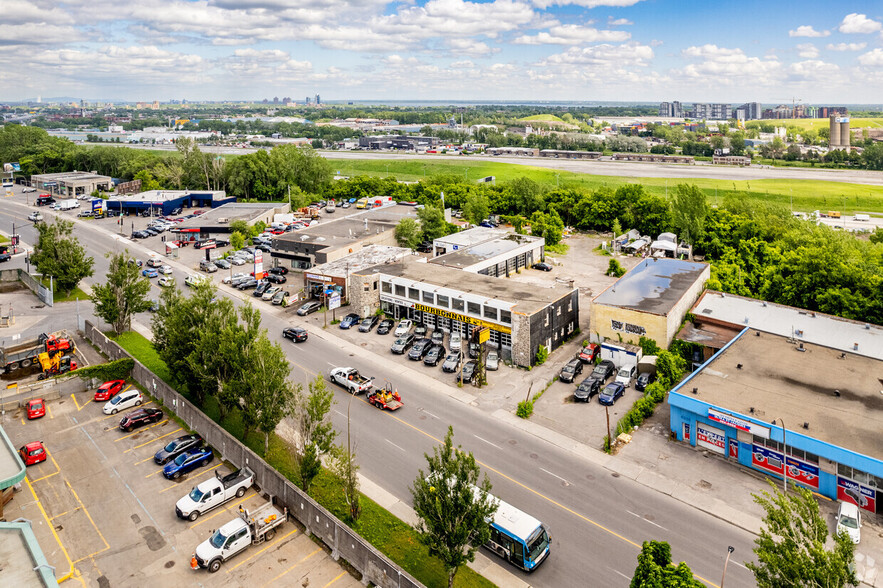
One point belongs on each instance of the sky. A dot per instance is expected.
(499, 50)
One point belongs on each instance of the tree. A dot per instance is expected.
(60, 255)
(655, 569)
(615, 269)
(270, 396)
(792, 547)
(345, 470)
(407, 233)
(315, 432)
(477, 207)
(123, 295)
(237, 240)
(432, 222)
(452, 506)
(689, 211)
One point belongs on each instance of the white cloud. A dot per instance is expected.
(727, 66)
(619, 22)
(846, 46)
(584, 3)
(467, 46)
(572, 35)
(858, 24)
(456, 18)
(812, 70)
(807, 50)
(872, 58)
(603, 56)
(808, 31)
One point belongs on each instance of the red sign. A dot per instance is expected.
(734, 448)
(772, 461)
(858, 494)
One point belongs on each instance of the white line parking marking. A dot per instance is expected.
(488, 442)
(393, 444)
(556, 476)
(634, 514)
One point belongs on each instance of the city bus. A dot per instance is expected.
(517, 537)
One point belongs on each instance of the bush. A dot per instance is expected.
(114, 370)
(525, 409)
(656, 392)
(614, 269)
(542, 355)
(649, 346)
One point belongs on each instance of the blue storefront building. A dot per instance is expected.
(788, 408)
(163, 202)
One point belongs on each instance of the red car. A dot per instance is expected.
(36, 408)
(33, 453)
(589, 353)
(109, 389)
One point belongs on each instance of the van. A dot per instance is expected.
(362, 203)
(44, 199)
(863, 217)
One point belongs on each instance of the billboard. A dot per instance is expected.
(858, 494)
(333, 300)
(772, 461)
(11, 167)
(258, 265)
(710, 438)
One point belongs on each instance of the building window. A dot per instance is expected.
(558, 311)
(442, 301)
(413, 293)
(506, 317)
(570, 306)
(375, 284)
(428, 297)
(474, 308)
(546, 322)
(400, 290)
(490, 312)
(458, 303)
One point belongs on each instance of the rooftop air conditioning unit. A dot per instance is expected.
(224, 220)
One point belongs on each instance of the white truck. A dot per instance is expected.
(68, 204)
(213, 493)
(351, 380)
(249, 528)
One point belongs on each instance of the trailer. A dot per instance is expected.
(385, 398)
(25, 355)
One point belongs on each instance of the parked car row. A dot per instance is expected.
(596, 383)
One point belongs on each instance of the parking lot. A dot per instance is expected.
(103, 512)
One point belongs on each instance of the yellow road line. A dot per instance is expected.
(225, 510)
(48, 411)
(339, 576)
(64, 513)
(317, 550)
(257, 553)
(77, 404)
(177, 485)
(151, 441)
(55, 534)
(55, 463)
(141, 430)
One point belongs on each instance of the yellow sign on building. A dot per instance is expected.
(463, 318)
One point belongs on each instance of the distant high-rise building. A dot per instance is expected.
(318, 101)
(275, 99)
(308, 101)
(671, 109)
(748, 111)
(706, 111)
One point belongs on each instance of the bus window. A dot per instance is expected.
(519, 553)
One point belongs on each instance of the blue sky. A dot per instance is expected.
(647, 50)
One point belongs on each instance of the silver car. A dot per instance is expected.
(451, 362)
(235, 260)
(456, 340)
(493, 361)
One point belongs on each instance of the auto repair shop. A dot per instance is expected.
(163, 202)
(787, 407)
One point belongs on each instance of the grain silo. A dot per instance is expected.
(834, 132)
(844, 131)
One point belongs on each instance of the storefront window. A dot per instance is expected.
(429, 298)
(442, 301)
(413, 293)
(458, 303)
(474, 308)
(490, 312)
(400, 290)
(386, 287)
(506, 317)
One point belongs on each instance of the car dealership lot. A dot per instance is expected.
(102, 509)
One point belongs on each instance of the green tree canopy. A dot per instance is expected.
(123, 295)
(655, 569)
(59, 254)
(407, 233)
(432, 223)
(689, 211)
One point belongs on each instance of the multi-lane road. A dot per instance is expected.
(598, 520)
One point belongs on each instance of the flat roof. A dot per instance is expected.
(366, 257)
(788, 321)
(246, 211)
(20, 554)
(472, 236)
(489, 249)
(655, 285)
(71, 176)
(164, 195)
(779, 381)
(526, 298)
(343, 230)
(12, 468)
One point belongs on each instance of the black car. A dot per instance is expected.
(420, 330)
(435, 354)
(546, 267)
(402, 344)
(420, 349)
(278, 270)
(5, 256)
(603, 370)
(467, 374)
(261, 288)
(276, 278)
(425, 247)
(248, 284)
(474, 350)
(571, 370)
(587, 388)
(295, 334)
(139, 418)
(385, 326)
(438, 337)
(368, 323)
(265, 247)
(644, 379)
(175, 212)
(176, 448)
(140, 234)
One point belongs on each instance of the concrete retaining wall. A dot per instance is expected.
(12, 398)
(343, 541)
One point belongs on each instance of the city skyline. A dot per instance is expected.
(508, 50)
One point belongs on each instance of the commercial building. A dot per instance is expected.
(671, 109)
(517, 151)
(398, 142)
(748, 111)
(650, 301)
(216, 222)
(520, 317)
(465, 239)
(330, 240)
(24, 564)
(653, 158)
(730, 160)
(705, 111)
(802, 410)
(497, 257)
(72, 184)
(335, 275)
(564, 154)
(162, 202)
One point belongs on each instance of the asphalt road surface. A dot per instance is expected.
(597, 521)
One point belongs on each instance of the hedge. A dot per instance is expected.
(114, 370)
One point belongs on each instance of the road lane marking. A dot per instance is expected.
(143, 460)
(151, 441)
(430, 414)
(489, 443)
(555, 476)
(138, 500)
(55, 463)
(339, 576)
(317, 550)
(646, 520)
(621, 574)
(91, 520)
(49, 412)
(274, 543)
(77, 404)
(394, 445)
(225, 510)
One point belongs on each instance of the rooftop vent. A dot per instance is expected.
(757, 333)
(738, 366)
(855, 346)
(806, 425)
(750, 410)
(695, 390)
(843, 356)
(224, 220)
(867, 327)
(800, 347)
(764, 302)
(837, 393)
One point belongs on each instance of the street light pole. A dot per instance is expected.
(730, 550)
(784, 457)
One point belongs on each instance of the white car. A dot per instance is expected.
(236, 276)
(849, 519)
(268, 295)
(626, 374)
(35, 216)
(165, 270)
(28, 190)
(236, 260)
(166, 282)
(122, 401)
(456, 341)
(403, 327)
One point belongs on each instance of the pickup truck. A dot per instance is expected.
(213, 493)
(351, 379)
(249, 528)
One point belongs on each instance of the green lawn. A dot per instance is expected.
(542, 118)
(393, 537)
(76, 293)
(4, 239)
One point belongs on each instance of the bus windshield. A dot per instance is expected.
(537, 543)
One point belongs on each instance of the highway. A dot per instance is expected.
(597, 520)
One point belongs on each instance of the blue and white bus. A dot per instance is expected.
(518, 537)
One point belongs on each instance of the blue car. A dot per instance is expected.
(149, 272)
(610, 393)
(187, 462)
(350, 320)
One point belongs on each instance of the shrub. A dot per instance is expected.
(656, 392)
(649, 346)
(525, 409)
(542, 355)
(614, 269)
(114, 370)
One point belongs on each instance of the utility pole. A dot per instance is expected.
(730, 550)
(609, 438)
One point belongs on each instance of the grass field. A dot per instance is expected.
(542, 118)
(808, 195)
(822, 123)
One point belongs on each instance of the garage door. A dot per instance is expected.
(710, 438)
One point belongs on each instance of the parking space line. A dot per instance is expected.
(339, 576)
(151, 441)
(122, 414)
(58, 516)
(77, 404)
(317, 550)
(140, 431)
(143, 460)
(49, 411)
(257, 553)
(57, 538)
(159, 471)
(205, 472)
(89, 516)
(55, 463)
(223, 510)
